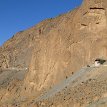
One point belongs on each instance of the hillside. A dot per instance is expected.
(33, 61)
(85, 88)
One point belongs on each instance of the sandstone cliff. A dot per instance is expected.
(53, 50)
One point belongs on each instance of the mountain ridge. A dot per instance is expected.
(52, 51)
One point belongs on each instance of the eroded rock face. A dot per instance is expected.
(76, 41)
(56, 48)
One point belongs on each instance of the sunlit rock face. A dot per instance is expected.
(95, 15)
(53, 50)
(76, 41)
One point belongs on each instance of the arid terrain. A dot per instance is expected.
(46, 65)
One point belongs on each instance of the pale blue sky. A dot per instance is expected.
(18, 15)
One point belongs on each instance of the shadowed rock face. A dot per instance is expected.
(54, 49)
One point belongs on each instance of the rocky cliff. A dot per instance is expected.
(34, 60)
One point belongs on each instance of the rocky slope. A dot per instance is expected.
(86, 88)
(34, 60)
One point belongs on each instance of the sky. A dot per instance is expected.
(18, 15)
